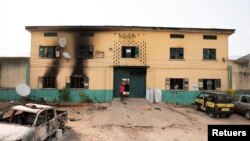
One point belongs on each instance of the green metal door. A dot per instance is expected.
(137, 81)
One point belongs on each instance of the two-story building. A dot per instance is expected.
(96, 59)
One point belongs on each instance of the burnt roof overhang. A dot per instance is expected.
(129, 28)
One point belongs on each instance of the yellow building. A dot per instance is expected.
(96, 59)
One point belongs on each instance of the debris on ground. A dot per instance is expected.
(159, 109)
(73, 119)
(97, 108)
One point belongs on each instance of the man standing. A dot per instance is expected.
(121, 90)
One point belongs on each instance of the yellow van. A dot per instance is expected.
(215, 103)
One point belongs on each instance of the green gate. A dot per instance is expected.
(137, 80)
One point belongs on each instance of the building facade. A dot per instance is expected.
(240, 73)
(96, 59)
(13, 71)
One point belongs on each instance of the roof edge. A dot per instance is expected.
(144, 28)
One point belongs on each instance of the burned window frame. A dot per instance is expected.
(47, 82)
(209, 54)
(49, 52)
(85, 52)
(71, 82)
(134, 52)
(176, 53)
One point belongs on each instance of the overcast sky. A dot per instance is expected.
(16, 14)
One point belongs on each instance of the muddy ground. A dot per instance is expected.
(138, 120)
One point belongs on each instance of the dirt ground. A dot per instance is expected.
(137, 120)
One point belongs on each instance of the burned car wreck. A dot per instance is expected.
(31, 122)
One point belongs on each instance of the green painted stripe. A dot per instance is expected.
(179, 97)
(51, 95)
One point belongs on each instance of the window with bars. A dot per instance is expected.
(176, 53)
(176, 84)
(85, 52)
(49, 51)
(130, 51)
(209, 54)
(209, 84)
(77, 82)
(47, 82)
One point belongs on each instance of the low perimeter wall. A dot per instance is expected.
(51, 95)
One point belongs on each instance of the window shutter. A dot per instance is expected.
(57, 51)
(86, 83)
(40, 82)
(205, 54)
(51, 52)
(185, 84)
(172, 53)
(41, 51)
(91, 50)
(217, 84)
(200, 84)
(136, 52)
(67, 80)
(213, 54)
(167, 83)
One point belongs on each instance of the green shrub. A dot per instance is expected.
(84, 98)
(231, 92)
(64, 94)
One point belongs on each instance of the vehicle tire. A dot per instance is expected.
(196, 107)
(212, 115)
(247, 115)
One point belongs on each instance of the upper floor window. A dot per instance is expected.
(49, 51)
(209, 54)
(85, 52)
(47, 82)
(50, 34)
(209, 37)
(181, 36)
(130, 52)
(176, 53)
